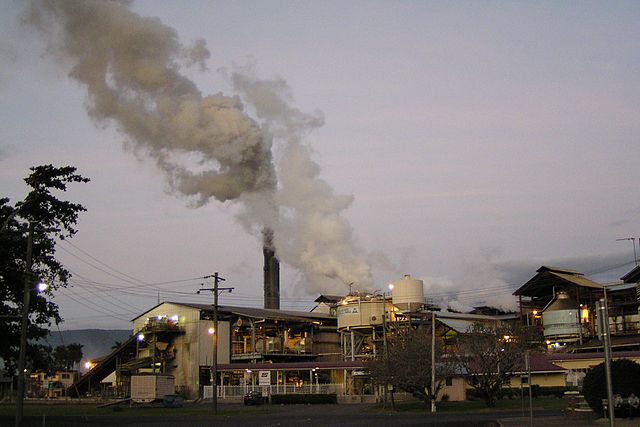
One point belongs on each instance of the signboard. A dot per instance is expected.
(264, 377)
(347, 310)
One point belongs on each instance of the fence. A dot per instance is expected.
(235, 391)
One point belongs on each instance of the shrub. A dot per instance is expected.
(625, 378)
(293, 399)
(445, 397)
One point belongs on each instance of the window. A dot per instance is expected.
(524, 379)
(448, 381)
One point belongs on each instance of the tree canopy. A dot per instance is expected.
(51, 219)
(411, 350)
(488, 354)
(625, 379)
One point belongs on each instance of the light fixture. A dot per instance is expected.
(140, 337)
(41, 286)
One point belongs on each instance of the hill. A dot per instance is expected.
(95, 342)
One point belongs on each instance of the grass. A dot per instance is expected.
(76, 410)
(544, 403)
(88, 410)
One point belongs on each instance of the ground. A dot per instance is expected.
(195, 415)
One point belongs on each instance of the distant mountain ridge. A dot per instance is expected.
(95, 342)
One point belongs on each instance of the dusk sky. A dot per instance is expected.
(478, 141)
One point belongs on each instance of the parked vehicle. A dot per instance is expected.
(254, 397)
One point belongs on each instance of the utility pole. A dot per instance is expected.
(214, 364)
(433, 361)
(26, 301)
(527, 362)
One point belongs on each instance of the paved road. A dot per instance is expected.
(299, 415)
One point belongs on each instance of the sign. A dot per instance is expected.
(347, 310)
(264, 377)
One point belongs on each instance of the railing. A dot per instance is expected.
(231, 391)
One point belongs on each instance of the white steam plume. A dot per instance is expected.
(323, 246)
(131, 67)
(477, 284)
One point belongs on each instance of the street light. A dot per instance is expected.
(633, 242)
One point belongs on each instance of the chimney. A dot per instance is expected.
(271, 272)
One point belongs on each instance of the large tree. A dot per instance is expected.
(51, 218)
(406, 364)
(489, 354)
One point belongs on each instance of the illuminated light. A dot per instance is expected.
(548, 342)
(41, 287)
(159, 317)
(174, 318)
(584, 314)
(391, 286)
(248, 371)
(88, 364)
(507, 337)
(140, 337)
(534, 312)
(211, 331)
(557, 345)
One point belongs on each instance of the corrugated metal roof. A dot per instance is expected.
(256, 313)
(548, 278)
(578, 279)
(342, 364)
(633, 276)
(458, 325)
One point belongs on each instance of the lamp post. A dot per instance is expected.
(603, 324)
(633, 242)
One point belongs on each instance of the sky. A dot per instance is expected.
(465, 143)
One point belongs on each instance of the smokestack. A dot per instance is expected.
(271, 272)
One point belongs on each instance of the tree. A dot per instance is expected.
(625, 379)
(489, 354)
(407, 364)
(67, 356)
(51, 219)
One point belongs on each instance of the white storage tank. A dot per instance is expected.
(407, 293)
(560, 319)
(357, 311)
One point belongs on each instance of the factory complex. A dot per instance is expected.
(326, 350)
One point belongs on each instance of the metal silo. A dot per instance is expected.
(561, 319)
(407, 293)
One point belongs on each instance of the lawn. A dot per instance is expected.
(86, 410)
(542, 403)
(89, 410)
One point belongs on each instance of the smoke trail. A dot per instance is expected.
(131, 67)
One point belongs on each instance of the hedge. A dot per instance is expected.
(514, 393)
(293, 399)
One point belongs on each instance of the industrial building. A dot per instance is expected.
(563, 303)
(326, 349)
